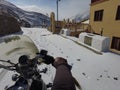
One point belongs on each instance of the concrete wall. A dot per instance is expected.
(52, 20)
(98, 42)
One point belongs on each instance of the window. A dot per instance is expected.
(98, 15)
(118, 13)
(116, 43)
(92, 1)
(88, 40)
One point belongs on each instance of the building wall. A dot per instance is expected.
(52, 20)
(109, 24)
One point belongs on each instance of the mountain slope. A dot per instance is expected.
(81, 17)
(24, 17)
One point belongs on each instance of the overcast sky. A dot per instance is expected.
(67, 8)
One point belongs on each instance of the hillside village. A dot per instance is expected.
(103, 21)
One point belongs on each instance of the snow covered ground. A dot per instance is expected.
(93, 71)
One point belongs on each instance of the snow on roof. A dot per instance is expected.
(86, 22)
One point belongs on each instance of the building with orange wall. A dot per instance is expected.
(105, 20)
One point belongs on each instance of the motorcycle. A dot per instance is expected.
(28, 75)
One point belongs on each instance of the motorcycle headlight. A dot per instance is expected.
(20, 88)
(14, 77)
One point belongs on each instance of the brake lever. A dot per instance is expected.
(11, 62)
(8, 61)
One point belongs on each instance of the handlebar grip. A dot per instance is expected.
(48, 59)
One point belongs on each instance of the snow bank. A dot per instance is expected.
(98, 42)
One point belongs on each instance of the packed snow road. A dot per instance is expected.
(92, 71)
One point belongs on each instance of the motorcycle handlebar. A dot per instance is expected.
(8, 61)
(47, 59)
(7, 67)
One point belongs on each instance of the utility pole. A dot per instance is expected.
(57, 11)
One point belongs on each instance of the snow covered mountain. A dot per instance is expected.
(81, 17)
(25, 18)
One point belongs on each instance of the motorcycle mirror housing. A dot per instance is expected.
(14, 77)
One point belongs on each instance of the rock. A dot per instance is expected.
(78, 60)
(115, 78)
(100, 76)
(66, 56)
(84, 74)
(8, 25)
(98, 79)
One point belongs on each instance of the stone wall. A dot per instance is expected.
(8, 25)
